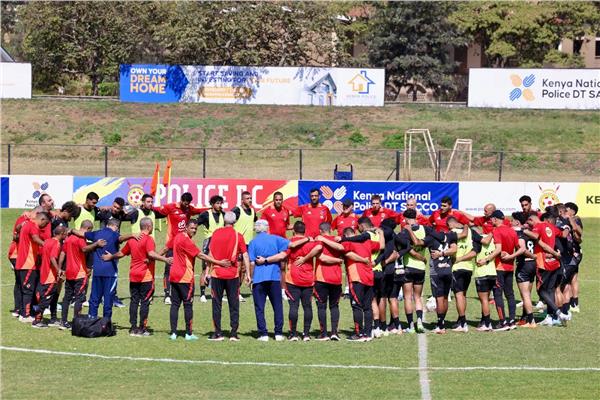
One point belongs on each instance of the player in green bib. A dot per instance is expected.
(88, 211)
(244, 224)
(145, 211)
(462, 269)
(485, 277)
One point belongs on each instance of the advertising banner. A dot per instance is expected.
(15, 80)
(393, 194)
(252, 85)
(505, 195)
(577, 89)
(132, 190)
(4, 189)
(25, 190)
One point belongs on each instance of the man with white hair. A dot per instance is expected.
(226, 244)
(265, 252)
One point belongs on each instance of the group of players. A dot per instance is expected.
(385, 255)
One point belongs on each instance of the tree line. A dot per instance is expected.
(79, 45)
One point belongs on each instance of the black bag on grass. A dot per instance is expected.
(84, 326)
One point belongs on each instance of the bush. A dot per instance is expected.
(78, 88)
(112, 139)
(357, 138)
(108, 89)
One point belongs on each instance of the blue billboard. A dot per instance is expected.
(393, 194)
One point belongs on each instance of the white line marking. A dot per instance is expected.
(286, 365)
(423, 375)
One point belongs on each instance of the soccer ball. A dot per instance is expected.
(430, 306)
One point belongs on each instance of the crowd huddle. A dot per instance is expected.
(375, 260)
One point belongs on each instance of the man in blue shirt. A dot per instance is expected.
(104, 278)
(266, 251)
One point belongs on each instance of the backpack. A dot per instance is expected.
(83, 326)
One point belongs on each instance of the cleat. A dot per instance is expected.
(279, 338)
(334, 337)
(483, 328)
(461, 328)
(420, 328)
(134, 332)
(520, 304)
(355, 338)
(439, 331)
(263, 338)
(54, 323)
(283, 295)
(522, 322)
(306, 338)
(540, 306)
(190, 337)
(547, 321)
(367, 338)
(26, 320)
(203, 299)
(216, 337)
(410, 329)
(118, 303)
(574, 309)
(173, 336)
(242, 299)
(64, 326)
(376, 333)
(39, 324)
(529, 325)
(512, 325)
(167, 300)
(144, 332)
(322, 337)
(293, 338)
(234, 338)
(501, 327)
(563, 318)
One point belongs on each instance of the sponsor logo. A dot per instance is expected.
(548, 197)
(361, 83)
(134, 195)
(522, 87)
(333, 197)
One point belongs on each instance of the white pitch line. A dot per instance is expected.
(287, 365)
(423, 374)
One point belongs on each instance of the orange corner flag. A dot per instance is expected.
(155, 179)
(167, 176)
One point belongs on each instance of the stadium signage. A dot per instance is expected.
(15, 80)
(252, 85)
(393, 194)
(534, 88)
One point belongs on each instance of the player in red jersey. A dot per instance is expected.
(48, 290)
(506, 238)
(141, 275)
(438, 218)
(377, 213)
(347, 218)
(178, 215)
(360, 275)
(411, 204)
(300, 279)
(313, 214)
(28, 250)
(181, 276)
(278, 216)
(548, 266)
(75, 272)
(485, 221)
(328, 282)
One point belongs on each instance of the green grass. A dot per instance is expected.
(65, 377)
(44, 122)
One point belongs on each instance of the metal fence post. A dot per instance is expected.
(300, 163)
(8, 158)
(105, 161)
(204, 163)
(500, 163)
(439, 166)
(397, 165)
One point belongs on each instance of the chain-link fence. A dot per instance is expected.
(367, 164)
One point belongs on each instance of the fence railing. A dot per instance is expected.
(296, 163)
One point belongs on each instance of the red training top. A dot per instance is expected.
(278, 220)
(438, 220)
(342, 222)
(142, 266)
(48, 272)
(380, 215)
(313, 217)
(507, 237)
(226, 244)
(300, 275)
(76, 261)
(27, 250)
(548, 233)
(184, 258)
(177, 219)
(329, 273)
(360, 272)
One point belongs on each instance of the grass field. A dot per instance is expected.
(367, 137)
(458, 366)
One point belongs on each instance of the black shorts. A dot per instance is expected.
(548, 279)
(414, 276)
(569, 272)
(391, 287)
(526, 272)
(461, 279)
(378, 285)
(485, 284)
(440, 285)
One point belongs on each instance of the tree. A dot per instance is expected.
(524, 34)
(410, 40)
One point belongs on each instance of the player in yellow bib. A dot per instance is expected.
(244, 224)
(210, 220)
(485, 278)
